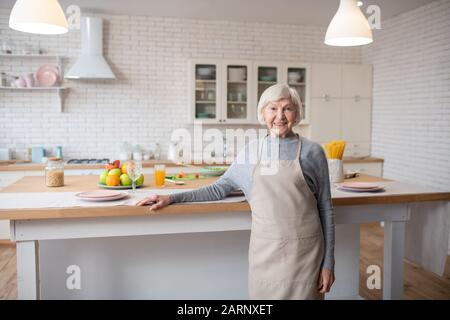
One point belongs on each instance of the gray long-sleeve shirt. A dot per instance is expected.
(240, 175)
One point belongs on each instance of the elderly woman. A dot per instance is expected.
(291, 254)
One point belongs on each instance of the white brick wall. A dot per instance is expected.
(411, 95)
(149, 99)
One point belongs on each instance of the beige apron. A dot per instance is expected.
(286, 242)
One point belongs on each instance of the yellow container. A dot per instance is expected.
(160, 175)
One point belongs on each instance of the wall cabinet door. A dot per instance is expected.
(237, 106)
(356, 119)
(297, 76)
(265, 74)
(326, 80)
(356, 80)
(205, 90)
(325, 119)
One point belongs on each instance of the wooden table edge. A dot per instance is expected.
(129, 211)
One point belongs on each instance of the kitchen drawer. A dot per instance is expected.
(371, 168)
(357, 149)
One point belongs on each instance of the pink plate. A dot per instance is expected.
(360, 189)
(360, 185)
(47, 75)
(98, 194)
(121, 195)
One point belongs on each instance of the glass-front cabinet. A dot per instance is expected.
(205, 91)
(236, 99)
(228, 91)
(266, 75)
(297, 76)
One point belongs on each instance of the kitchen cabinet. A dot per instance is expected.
(325, 124)
(205, 91)
(228, 91)
(266, 74)
(296, 75)
(355, 119)
(341, 105)
(370, 168)
(356, 81)
(220, 91)
(236, 103)
(357, 149)
(326, 80)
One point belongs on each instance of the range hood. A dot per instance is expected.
(91, 64)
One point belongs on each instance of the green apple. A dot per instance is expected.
(115, 172)
(103, 176)
(125, 180)
(140, 180)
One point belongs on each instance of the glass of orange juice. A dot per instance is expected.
(160, 174)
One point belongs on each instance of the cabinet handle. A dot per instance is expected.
(220, 120)
(326, 97)
(357, 98)
(224, 120)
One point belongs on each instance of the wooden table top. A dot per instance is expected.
(89, 182)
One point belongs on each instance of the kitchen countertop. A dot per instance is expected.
(29, 166)
(403, 193)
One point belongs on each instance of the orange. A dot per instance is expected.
(112, 180)
(124, 167)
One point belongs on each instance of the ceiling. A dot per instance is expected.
(304, 12)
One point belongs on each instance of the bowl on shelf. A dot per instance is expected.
(266, 78)
(204, 115)
(294, 77)
(206, 73)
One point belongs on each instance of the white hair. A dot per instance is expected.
(278, 92)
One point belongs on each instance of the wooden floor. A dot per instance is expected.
(419, 284)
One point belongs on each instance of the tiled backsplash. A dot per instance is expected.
(149, 99)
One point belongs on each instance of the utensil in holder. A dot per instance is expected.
(336, 170)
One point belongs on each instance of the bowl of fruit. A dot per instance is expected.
(115, 176)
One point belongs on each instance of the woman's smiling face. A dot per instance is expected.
(280, 117)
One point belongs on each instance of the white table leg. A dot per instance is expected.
(28, 270)
(347, 263)
(394, 251)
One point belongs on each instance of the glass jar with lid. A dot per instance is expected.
(54, 172)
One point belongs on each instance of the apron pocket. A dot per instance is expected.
(291, 262)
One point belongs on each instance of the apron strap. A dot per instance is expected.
(299, 147)
(261, 147)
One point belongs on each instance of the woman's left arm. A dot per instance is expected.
(326, 212)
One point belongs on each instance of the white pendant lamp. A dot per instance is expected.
(349, 26)
(38, 16)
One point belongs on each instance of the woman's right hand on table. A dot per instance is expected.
(155, 201)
